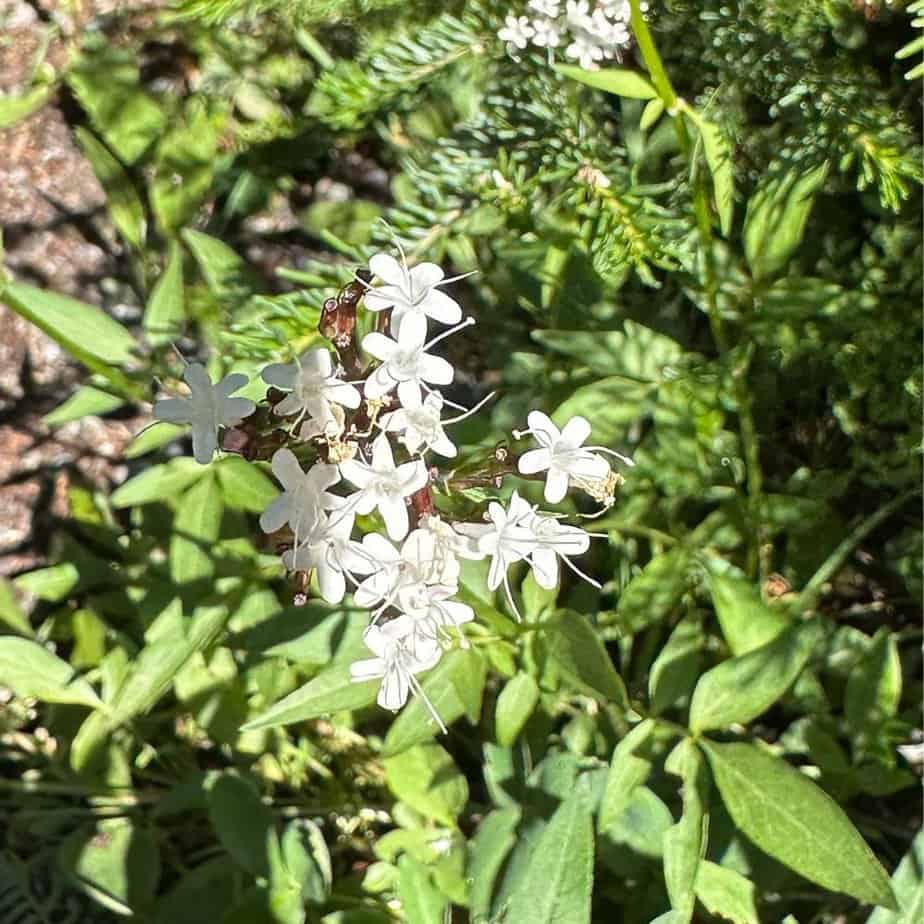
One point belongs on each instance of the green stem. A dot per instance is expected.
(679, 109)
(838, 558)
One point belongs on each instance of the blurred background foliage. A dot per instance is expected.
(764, 372)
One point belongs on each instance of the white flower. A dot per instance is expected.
(411, 291)
(516, 31)
(550, 8)
(327, 549)
(620, 10)
(207, 408)
(421, 428)
(400, 653)
(386, 572)
(449, 542)
(304, 494)
(563, 454)
(554, 540)
(384, 485)
(431, 609)
(577, 13)
(585, 50)
(507, 539)
(547, 33)
(312, 386)
(406, 363)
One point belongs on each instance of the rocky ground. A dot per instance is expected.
(57, 235)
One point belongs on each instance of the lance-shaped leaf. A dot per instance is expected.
(627, 772)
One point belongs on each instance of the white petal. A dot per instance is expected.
(394, 513)
(234, 410)
(286, 469)
(413, 331)
(380, 548)
(556, 485)
(409, 394)
(496, 572)
(379, 384)
(584, 464)
(356, 473)
(386, 267)
(382, 459)
(343, 393)
(332, 583)
(545, 568)
(277, 514)
(205, 441)
(379, 346)
(439, 306)
(281, 375)
(316, 364)
(383, 297)
(425, 276)
(368, 669)
(412, 476)
(291, 404)
(536, 460)
(173, 410)
(444, 446)
(196, 377)
(435, 369)
(394, 690)
(230, 384)
(458, 613)
(543, 429)
(575, 432)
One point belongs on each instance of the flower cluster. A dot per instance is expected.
(351, 450)
(588, 31)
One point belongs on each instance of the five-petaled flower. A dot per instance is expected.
(208, 408)
(304, 495)
(312, 386)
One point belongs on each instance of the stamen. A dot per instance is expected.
(580, 573)
(510, 600)
(418, 689)
(469, 413)
(468, 322)
(611, 452)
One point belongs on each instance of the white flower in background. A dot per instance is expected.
(547, 33)
(563, 454)
(304, 494)
(585, 50)
(384, 485)
(431, 609)
(411, 291)
(449, 542)
(328, 551)
(406, 363)
(550, 8)
(516, 31)
(400, 653)
(208, 407)
(312, 386)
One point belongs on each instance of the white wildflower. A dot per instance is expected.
(411, 291)
(516, 31)
(384, 485)
(547, 33)
(304, 494)
(406, 364)
(550, 8)
(312, 386)
(563, 455)
(208, 408)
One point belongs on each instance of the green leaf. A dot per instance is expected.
(224, 271)
(196, 526)
(306, 859)
(88, 334)
(874, 689)
(776, 217)
(331, 691)
(651, 595)
(165, 311)
(428, 780)
(740, 689)
(15, 108)
(153, 437)
(421, 900)
(685, 842)
(122, 200)
(53, 583)
(454, 687)
(788, 817)
(488, 849)
(726, 893)
(11, 613)
(87, 401)
(575, 648)
(653, 111)
(747, 622)
(556, 885)
(159, 483)
(244, 486)
(515, 705)
(117, 864)
(908, 888)
(719, 158)
(673, 673)
(106, 82)
(241, 821)
(626, 773)
(30, 669)
(617, 80)
(643, 824)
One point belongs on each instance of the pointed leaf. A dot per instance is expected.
(617, 80)
(428, 780)
(30, 669)
(515, 705)
(196, 528)
(165, 311)
(488, 849)
(787, 816)
(626, 773)
(726, 893)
